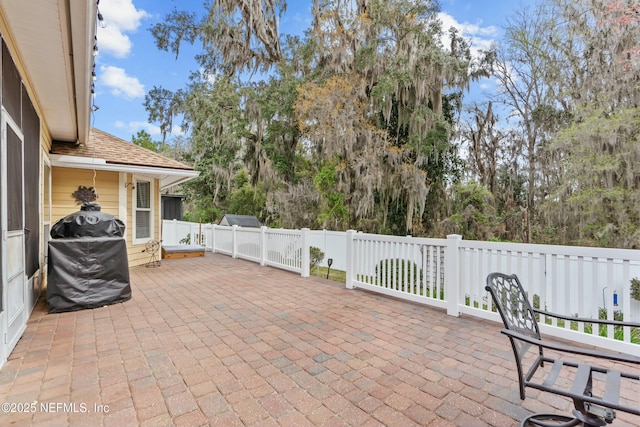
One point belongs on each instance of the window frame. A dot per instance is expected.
(136, 209)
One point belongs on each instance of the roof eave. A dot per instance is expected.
(54, 41)
(168, 177)
(83, 33)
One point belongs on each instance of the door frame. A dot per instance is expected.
(21, 316)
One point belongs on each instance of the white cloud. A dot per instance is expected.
(120, 17)
(120, 83)
(481, 38)
(151, 129)
(135, 127)
(114, 42)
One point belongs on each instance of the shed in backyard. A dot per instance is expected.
(240, 220)
(172, 206)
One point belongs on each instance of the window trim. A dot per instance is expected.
(151, 209)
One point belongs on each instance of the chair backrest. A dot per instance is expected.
(511, 301)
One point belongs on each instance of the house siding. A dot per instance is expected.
(65, 181)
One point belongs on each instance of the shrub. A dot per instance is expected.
(618, 332)
(536, 301)
(393, 271)
(635, 289)
(315, 256)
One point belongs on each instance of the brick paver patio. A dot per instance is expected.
(223, 342)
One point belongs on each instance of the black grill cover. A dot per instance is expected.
(88, 222)
(88, 268)
(87, 273)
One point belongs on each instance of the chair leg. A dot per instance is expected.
(550, 420)
(589, 420)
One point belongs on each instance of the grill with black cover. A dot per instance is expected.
(87, 264)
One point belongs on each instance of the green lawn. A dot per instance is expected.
(335, 275)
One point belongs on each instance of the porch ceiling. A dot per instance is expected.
(55, 39)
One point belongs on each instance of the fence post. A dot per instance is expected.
(452, 274)
(305, 252)
(234, 242)
(213, 238)
(209, 239)
(174, 233)
(324, 245)
(350, 257)
(263, 245)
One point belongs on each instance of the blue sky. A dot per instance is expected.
(128, 64)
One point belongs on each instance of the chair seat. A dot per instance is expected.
(580, 390)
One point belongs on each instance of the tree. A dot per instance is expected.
(162, 106)
(369, 94)
(494, 160)
(143, 139)
(246, 199)
(376, 102)
(333, 215)
(523, 68)
(212, 114)
(473, 213)
(272, 114)
(236, 35)
(484, 141)
(597, 199)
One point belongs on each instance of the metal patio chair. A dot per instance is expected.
(521, 327)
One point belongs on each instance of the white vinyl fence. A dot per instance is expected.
(268, 246)
(183, 233)
(281, 244)
(450, 273)
(334, 246)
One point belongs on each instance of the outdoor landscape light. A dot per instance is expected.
(329, 262)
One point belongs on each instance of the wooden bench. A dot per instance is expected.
(182, 251)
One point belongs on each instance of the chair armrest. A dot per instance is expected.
(573, 350)
(586, 320)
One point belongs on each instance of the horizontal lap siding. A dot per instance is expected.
(65, 181)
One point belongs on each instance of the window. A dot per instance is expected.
(143, 221)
